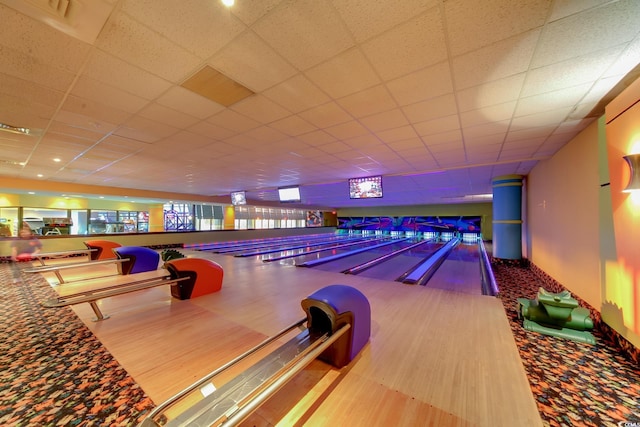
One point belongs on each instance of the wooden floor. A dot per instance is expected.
(434, 358)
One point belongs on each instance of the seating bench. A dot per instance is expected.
(57, 268)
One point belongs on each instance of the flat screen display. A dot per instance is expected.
(238, 198)
(289, 194)
(365, 188)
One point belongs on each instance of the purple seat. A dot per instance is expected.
(330, 308)
(140, 259)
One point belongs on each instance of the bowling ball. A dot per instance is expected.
(24, 257)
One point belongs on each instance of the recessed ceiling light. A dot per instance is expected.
(39, 175)
(56, 160)
(228, 3)
(31, 192)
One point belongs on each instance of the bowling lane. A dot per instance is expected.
(342, 264)
(273, 248)
(304, 257)
(392, 268)
(269, 243)
(460, 272)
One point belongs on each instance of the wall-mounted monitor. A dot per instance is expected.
(238, 198)
(289, 194)
(365, 188)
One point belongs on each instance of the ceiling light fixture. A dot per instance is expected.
(633, 160)
(228, 3)
(15, 129)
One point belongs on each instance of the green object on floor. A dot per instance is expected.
(558, 315)
(169, 254)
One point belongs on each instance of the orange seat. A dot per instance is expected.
(205, 277)
(102, 249)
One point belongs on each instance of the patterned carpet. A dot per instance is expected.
(574, 384)
(54, 371)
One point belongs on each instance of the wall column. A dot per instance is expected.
(507, 217)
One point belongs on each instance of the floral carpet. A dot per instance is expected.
(574, 384)
(54, 371)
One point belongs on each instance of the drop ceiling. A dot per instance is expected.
(438, 96)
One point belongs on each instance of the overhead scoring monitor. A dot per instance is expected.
(365, 188)
(238, 198)
(289, 194)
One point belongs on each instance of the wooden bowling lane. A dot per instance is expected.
(460, 271)
(434, 357)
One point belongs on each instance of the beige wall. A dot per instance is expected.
(581, 228)
(562, 216)
(621, 290)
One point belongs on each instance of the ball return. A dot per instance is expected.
(338, 327)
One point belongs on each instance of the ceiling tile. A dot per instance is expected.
(347, 130)
(81, 121)
(252, 63)
(42, 43)
(297, 94)
(564, 8)
(249, 11)
(499, 129)
(304, 32)
(367, 102)
(266, 134)
(397, 134)
(261, 109)
(292, 125)
(179, 98)
(20, 65)
(366, 19)
(118, 73)
(505, 58)
(316, 138)
(574, 36)
(108, 95)
(527, 134)
(449, 137)
(326, 115)
(362, 141)
(547, 118)
(472, 25)
(200, 26)
(233, 121)
(443, 124)
(422, 85)
(492, 93)
(211, 130)
(386, 120)
(129, 40)
(437, 107)
(94, 109)
(145, 130)
(551, 100)
(407, 144)
(345, 74)
(393, 57)
(168, 116)
(488, 114)
(584, 69)
(321, 113)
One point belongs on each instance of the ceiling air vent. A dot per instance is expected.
(81, 19)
